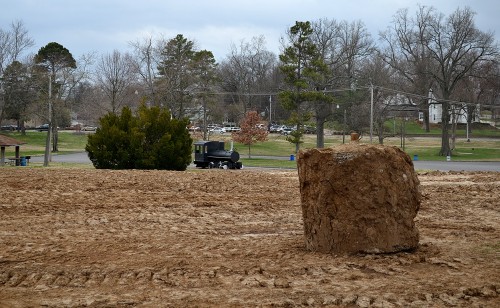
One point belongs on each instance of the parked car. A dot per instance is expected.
(9, 127)
(286, 131)
(89, 128)
(212, 126)
(43, 127)
(232, 129)
(217, 130)
(275, 129)
(309, 130)
(194, 129)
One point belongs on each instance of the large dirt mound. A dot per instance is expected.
(220, 238)
(358, 198)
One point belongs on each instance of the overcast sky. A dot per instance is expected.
(102, 26)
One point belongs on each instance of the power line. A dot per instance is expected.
(437, 101)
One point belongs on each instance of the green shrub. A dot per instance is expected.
(150, 140)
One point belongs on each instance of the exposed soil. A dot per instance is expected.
(223, 238)
(358, 198)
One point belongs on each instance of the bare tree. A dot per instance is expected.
(326, 38)
(13, 43)
(85, 104)
(115, 76)
(434, 51)
(247, 70)
(147, 60)
(490, 89)
(356, 45)
(406, 52)
(456, 47)
(75, 80)
(384, 102)
(343, 46)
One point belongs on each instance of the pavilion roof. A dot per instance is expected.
(8, 141)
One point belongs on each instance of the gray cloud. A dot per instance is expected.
(105, 25)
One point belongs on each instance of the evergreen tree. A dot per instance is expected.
(174, 74)
(305, 73)
(18, 92)
(150, 140)
(52, 59)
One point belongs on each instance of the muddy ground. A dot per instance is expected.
(221, 238)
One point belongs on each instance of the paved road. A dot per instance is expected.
(419, 165)
(438, 165)
(81, 158)
(457, 165)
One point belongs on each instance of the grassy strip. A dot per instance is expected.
(57, 165)
(427, 148)
(268, 163)
(69, 142)
(415, 128)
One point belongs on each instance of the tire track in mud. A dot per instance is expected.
(175, 276)
(172, 240)
(257, 277)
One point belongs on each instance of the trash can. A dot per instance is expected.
(23, 161)
(292, 157)
(415, 157)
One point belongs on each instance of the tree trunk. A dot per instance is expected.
(454, 120)
(427, 125)
(403, 133)
(46, 158)
(445, 141)
(205, 130)
(320, 137)
(471, 110)
(55, 137)
(424, 106)
(380, 132)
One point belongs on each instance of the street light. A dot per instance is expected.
(270, 113)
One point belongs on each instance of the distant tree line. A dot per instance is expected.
(328, 72)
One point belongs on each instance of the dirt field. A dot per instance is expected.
(220, 238)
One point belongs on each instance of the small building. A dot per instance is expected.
(401, 106)
(6, 141)
(459, 110)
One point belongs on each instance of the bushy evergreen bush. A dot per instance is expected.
(149, 140)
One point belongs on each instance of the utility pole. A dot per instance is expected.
(344, 126)
(204, 117)
(46, 157)
(371, 112)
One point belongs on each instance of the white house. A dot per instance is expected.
(436, 110)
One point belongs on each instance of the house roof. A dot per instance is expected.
(6, 141)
